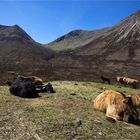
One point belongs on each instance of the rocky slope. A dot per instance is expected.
(115, 52)
(19, 53)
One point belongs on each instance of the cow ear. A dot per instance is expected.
(127, 100)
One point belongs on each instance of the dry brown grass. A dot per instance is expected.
(54, 116)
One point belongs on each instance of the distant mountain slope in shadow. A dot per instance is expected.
(19, 53)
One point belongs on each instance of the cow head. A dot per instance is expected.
(127, 112)
(120, 79)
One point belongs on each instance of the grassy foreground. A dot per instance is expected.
(64, 115)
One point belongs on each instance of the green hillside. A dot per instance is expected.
(75, 39)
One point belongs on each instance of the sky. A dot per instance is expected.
(46, 20)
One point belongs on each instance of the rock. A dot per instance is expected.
(72, 93)
(77, 122)
(100, 133)
(97, 122)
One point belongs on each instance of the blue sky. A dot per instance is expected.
(46, 20)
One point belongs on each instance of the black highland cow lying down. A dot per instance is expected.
(23, 88)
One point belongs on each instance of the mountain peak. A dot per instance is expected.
(69, 35)
(16, 26)
(74, 33)
(12, 26)
(13, 33)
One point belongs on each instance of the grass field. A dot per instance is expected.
(64, 115)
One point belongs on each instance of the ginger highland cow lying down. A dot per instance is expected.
(117, 106)
(128, 81)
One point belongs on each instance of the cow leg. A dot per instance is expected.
(111, 114)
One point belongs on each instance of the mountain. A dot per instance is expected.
(75, 39)
(13, 33)
(115, 51)
(79, 55)
(20, 54)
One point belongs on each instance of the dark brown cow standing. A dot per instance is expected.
(105, 79)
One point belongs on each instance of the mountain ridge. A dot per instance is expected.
(111, 52)
(19, 53)
(75, 39)
(115, 52)
(60, 46)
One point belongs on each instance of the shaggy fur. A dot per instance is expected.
(36, 80)
(23, 88)
(136, 100)
(116, 106)
(128, 81)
